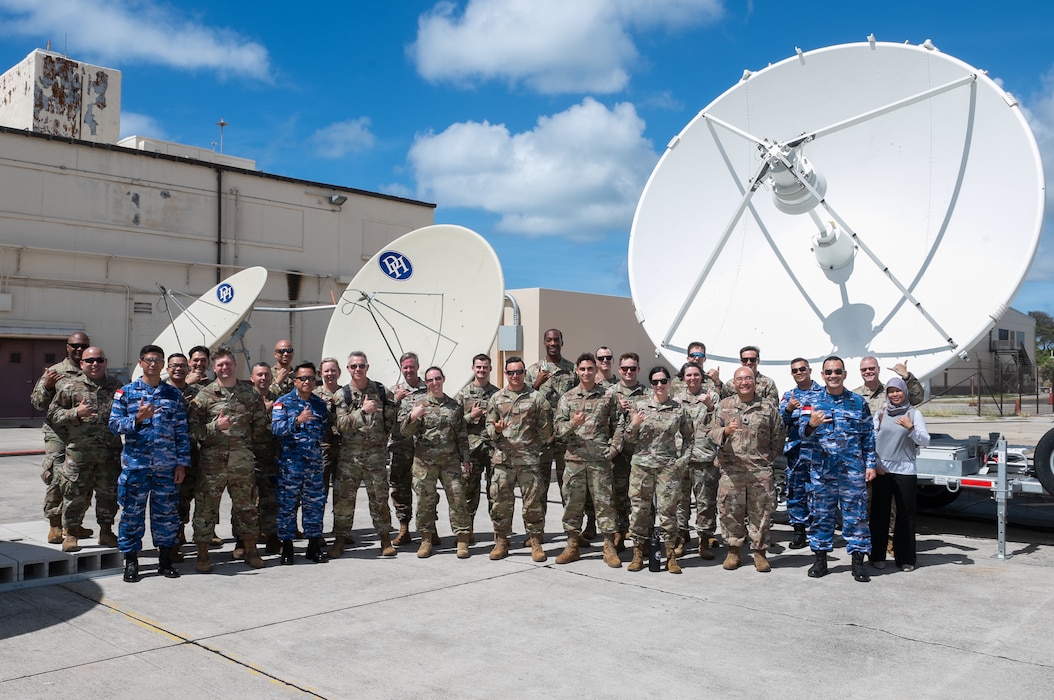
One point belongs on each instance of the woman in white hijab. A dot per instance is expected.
(899, 429)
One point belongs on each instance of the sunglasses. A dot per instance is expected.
(93, 360)
(304, 379)
(657, 382)
(868, 369)
(697, 354)
(629, 369)
(836, 372)
(283, 351)
(515, 372)
(605, 358)
(358, 365)
(78, 346)
(799, 370)
(748, 360)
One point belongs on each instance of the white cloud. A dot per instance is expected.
(135, 124)
(552, 46)
(112, 32)
(341, 138)
(578, 173)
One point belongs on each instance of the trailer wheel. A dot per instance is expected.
(930, 496)
(1044, 461)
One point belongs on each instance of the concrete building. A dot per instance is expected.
(1002, 362)
(89, 228)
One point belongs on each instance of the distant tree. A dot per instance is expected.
(1044, 330)
(1045, 364)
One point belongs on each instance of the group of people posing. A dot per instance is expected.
(625, 453)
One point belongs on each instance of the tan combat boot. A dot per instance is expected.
(106, 536)
(610, 555)
(80, 532)
(69, 543)
(338, 547)
(252, 555)
(671, 559)
(501, 547)
(387, 550)
(760, 562)
(682, 542)
(732, 560)
(570, 552)
(404, 535)
(425, 550)
(55, 529)
(704, 548)
(462, 545)
(537, 553)
(638, 557)
(204, 566)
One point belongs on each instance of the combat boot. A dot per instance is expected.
(704, 548)
(731, 562)
(570, 552)
(164, 563)
(859, 570)
(239, 549)
(287, 552)
(80, 532)
(799, 539)
(404, 536)
(819, 567)
(425, 549)
(761, 563)
(671, 559)
(176, 554)
(55, 529)
(69, 543)
(501, 547)
(471, 536)
(462, 546)
(337, 549)
(537, 553)
(203, 566)
(252, 555)
(610, 555)
(682, 542)
(638, 557)
(131, 567)
(106, 536)
(589, 532)
(316, 551)
(620, 542)
(274, 545)
(387, 550)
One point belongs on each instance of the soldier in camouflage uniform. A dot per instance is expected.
(750, 356)
(799, 462)
(266, 465)
(81, 408)
(840, 431)
(178, 370)
(329, 368)
(473, 399)
(228, 420)
(401, 448)
(519, 425)
(300, 420)
(660, 462)
(699, 396)
(198, 357)
(628, 391)
(151, 416)
(282, 372)
(365, 414)
(749, 434)
(54, 444)
(587, 420)
(437, 422)
(696, 353)
(552, 377)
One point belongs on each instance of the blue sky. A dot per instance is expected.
(534, 122)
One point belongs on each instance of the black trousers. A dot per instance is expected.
(884, 490)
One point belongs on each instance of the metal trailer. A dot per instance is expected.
(948, 465)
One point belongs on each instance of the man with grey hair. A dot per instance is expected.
(405, 392)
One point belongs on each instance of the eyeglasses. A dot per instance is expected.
(434, 380)
(605, 358)
(179, 365)
(358, 365)
(93, 360)
(304, 379)
(283, 351)
(629, 369)
(836, 372)
(697, 354)
(868, 369)
(743, 380)
(799, 370)
(657, 382)
(748, 360)
(151, 360)
(515, 372)
(78, 346)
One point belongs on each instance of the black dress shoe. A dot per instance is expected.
(164, 563)
(316, 550)
(287, 551)
(131, 567)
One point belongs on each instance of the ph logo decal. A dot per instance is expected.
(396, 265)
(225, 293)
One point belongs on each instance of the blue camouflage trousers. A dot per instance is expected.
(838, 483)
(134, 488)
(798, 470)
(303, 483)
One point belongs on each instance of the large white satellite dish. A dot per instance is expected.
(864, 199)
(438, 291)
(212, 317)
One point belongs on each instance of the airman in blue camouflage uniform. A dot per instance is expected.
(300, 419)
(841, 432)
(793, 405)
(153, 420)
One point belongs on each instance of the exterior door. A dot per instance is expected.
(22, 362)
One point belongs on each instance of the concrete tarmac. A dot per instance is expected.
(963, 625)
